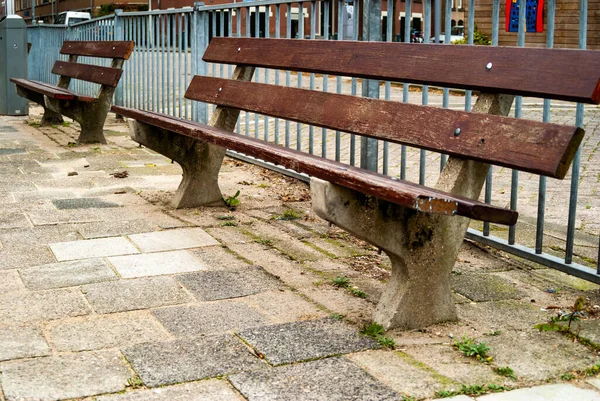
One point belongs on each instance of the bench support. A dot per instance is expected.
(422, 247)
(200, 161)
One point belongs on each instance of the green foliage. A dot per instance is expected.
(376, 332)
(567, 377)
(506, 372)
(358, 293)
(66, 124)
(408, 398)
(265, 241)
(226, 217)
(232, 201)
(33, 124)
(106, 9)
(341, 281)
(479, 38)
(71, 144)
(290, 214)
(229, 224)
(471, 390)
(135, 382)
(336, 316)
(472, 348)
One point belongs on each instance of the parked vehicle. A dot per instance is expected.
(416, 36)
(456, 33)
(71, 17)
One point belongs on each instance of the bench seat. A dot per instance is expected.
(400, 192)
(51, 91)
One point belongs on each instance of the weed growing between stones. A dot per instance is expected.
(226, 217)
(341, 281)
(358, 293)
(232, 201)
(229, 224)
(471, 390)
(506, 372)
(473, 349)
(289, 214)
(376, 332)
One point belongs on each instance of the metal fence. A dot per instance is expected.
(168, 53)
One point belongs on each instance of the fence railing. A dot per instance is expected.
(169, 48)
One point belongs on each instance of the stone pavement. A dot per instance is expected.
(109, 294)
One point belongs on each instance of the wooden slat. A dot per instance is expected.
(563, 74)
(87, 72)
(396, 191)
(107, 49)
(52, 91)
(503, 141)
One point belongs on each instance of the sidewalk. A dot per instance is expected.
(110, 294)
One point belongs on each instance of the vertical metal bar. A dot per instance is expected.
(370, 87)
(355, 17)
(267, 34)
(539, 232)
(583, 14)
(277, 36)
(201, 68)
(389, 32)
(257, 71)
(447, 37)
(437, 23)
(119, 36)
(300, 36)
(155, 59)
(288, 34)
(238, 33)
(248, 34)
(340, 33)
(170, 66)
(311, 128)
(140, 65)
(405, 86)
(325, 76)
(425, 88)
(471, 33)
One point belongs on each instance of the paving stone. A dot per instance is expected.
(104, 229)
(52, 217)
(190, 359)
(11, 281)
(38, 236)
(210, 317)
(218, 258)
(13, 220)
(96, 332)
(46, 305)
(300, 341)
(143, 293)
(92, 248)
(553, 392)
(484, 287)
(11, 151)
(283, 306)
(173, 239)
(64, 376)
(154, 264)
(67, 274)
(594, 382)
(22, 256)
(329, 379)
(22, 342)
(397, 373)
(83, 203)
(223, 284)
(457, 398)
(205, 390)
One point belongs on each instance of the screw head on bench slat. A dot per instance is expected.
(457, 132)
(220, 89)
(489, 66)
(239, 49)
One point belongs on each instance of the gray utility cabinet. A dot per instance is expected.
(13, 64)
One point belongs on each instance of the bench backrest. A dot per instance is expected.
(118, 51)
(498, 140)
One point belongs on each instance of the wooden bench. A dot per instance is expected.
(420, 228)
(90, 112)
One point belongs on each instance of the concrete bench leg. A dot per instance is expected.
(200, 161)
(422, 247)
(51, 117)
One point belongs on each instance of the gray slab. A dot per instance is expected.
(484, 287)
(143, 293)
(11, 151)
(83, 203)
(218, 258)
(154, 264)
(11, 281)
(22, 342)
(14, 220)
(92, 248)
(223, 284)
(38, 236)
(190, 359)
(64, 376)
(67, 274)
(205, 390)
(105, 331)
(169, 240)
(326, 379)
(553, 392)
(45, 305)
(300, 341)
(14, 257)
(212, 317)
(104, 229)
(52, 217)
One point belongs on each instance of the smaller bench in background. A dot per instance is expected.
(90, 112)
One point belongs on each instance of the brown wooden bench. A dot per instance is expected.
(420, 228)
(89, 111)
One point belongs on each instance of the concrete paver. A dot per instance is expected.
(142, 293)
(10, 281)
(22, 342)
(553, 392)
(161, 363)
(65, 376)
(93, 248)
(171, 240)
(205, 390)
(301, 341)
(330, 379)
(154, 264)
(39, 306)
(67, 274)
